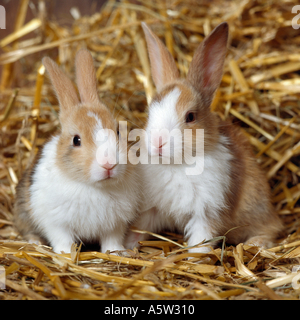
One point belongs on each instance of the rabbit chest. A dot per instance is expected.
(174, 193)
(86, 210)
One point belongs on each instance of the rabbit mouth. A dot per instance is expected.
(160, 152)
(105, 180)
(107, 176)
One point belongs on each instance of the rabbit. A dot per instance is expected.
(75, 192)
(231, 192)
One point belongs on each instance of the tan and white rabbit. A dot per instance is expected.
(231, 191)
(74, 192)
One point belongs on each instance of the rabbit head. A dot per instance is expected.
(88, 143)
(184, 103)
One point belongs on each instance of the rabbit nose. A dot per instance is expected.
(107, 166)
(160, 148)
(159, 143)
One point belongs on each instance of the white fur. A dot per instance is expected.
(163, 114)
(106, 152)
(66, 210)
(176, 200)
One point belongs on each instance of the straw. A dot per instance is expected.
(259, 93)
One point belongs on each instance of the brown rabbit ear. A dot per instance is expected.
(163, 66)
(206, 68)
(63, 86)
(86, 77)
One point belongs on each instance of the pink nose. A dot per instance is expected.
(159, 143)
(108, 166)
(160, 148)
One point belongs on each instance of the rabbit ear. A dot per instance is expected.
(206, 68)
(86, 77)
(163, 66)
(63, 86)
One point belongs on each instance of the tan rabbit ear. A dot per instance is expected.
(163, 66)
(86, 77)
(63, 86)
(206, 68)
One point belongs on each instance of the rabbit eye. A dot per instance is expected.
(76, 141)
(190, 117)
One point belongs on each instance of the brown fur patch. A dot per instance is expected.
(248, 204)
(186, 100)
(22, 210)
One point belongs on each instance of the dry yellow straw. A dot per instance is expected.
(269, 145)
(260, 87)
(241, 81)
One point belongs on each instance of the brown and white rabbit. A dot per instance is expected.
(231, 191)
(74, 191)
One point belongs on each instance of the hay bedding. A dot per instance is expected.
(260, 92)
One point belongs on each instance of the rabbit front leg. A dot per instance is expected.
(197, 230)
(113, 241)
(60, 239)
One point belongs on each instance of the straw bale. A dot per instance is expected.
(260, 92)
